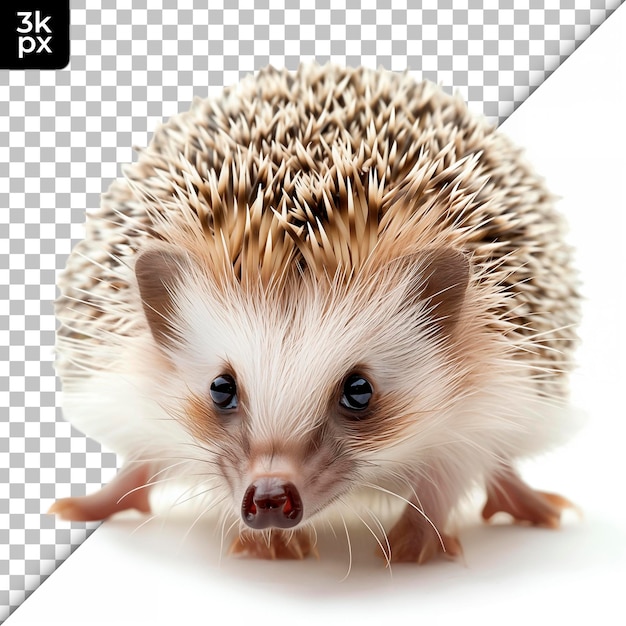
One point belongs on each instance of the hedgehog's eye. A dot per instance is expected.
(357, 393)
(224, 392)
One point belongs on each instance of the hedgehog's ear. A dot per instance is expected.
(160, 270)
(439, 277)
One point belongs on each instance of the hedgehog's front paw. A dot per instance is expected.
(507, 493)
(419, 543)
(128, 490)
(274, 544)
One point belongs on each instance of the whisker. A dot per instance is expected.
(148, 484)
(386, 554)
(155, 459)
(385, 536)
(235, 522)
(202, 514)
(420, 511)
(313, 531)
(165, 469)
(194, 495)
(225, 534)
(332, 528)
(345, 527)
(149, 519)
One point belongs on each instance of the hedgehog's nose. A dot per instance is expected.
(271, 501)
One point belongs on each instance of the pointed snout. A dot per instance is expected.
(271, 501)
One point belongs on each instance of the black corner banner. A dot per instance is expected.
(34, 35)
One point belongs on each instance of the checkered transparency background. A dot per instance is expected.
(64, 135)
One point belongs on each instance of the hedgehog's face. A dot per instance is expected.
(302, 393)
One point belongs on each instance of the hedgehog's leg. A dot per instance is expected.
(128, 490)
(419, 534)
(507, 493)
(275, 544)
(416, 538)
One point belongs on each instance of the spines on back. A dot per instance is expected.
(321, 172)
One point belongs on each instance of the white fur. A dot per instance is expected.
(288, 366)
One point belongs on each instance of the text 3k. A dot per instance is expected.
(33, 23)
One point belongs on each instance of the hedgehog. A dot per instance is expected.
(322, 293)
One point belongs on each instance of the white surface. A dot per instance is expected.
(574, 128)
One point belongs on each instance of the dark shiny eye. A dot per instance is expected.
(224, 392)
(357, 393)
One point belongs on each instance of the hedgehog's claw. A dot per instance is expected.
(127, 490)
(279, 545)
(507, 493)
